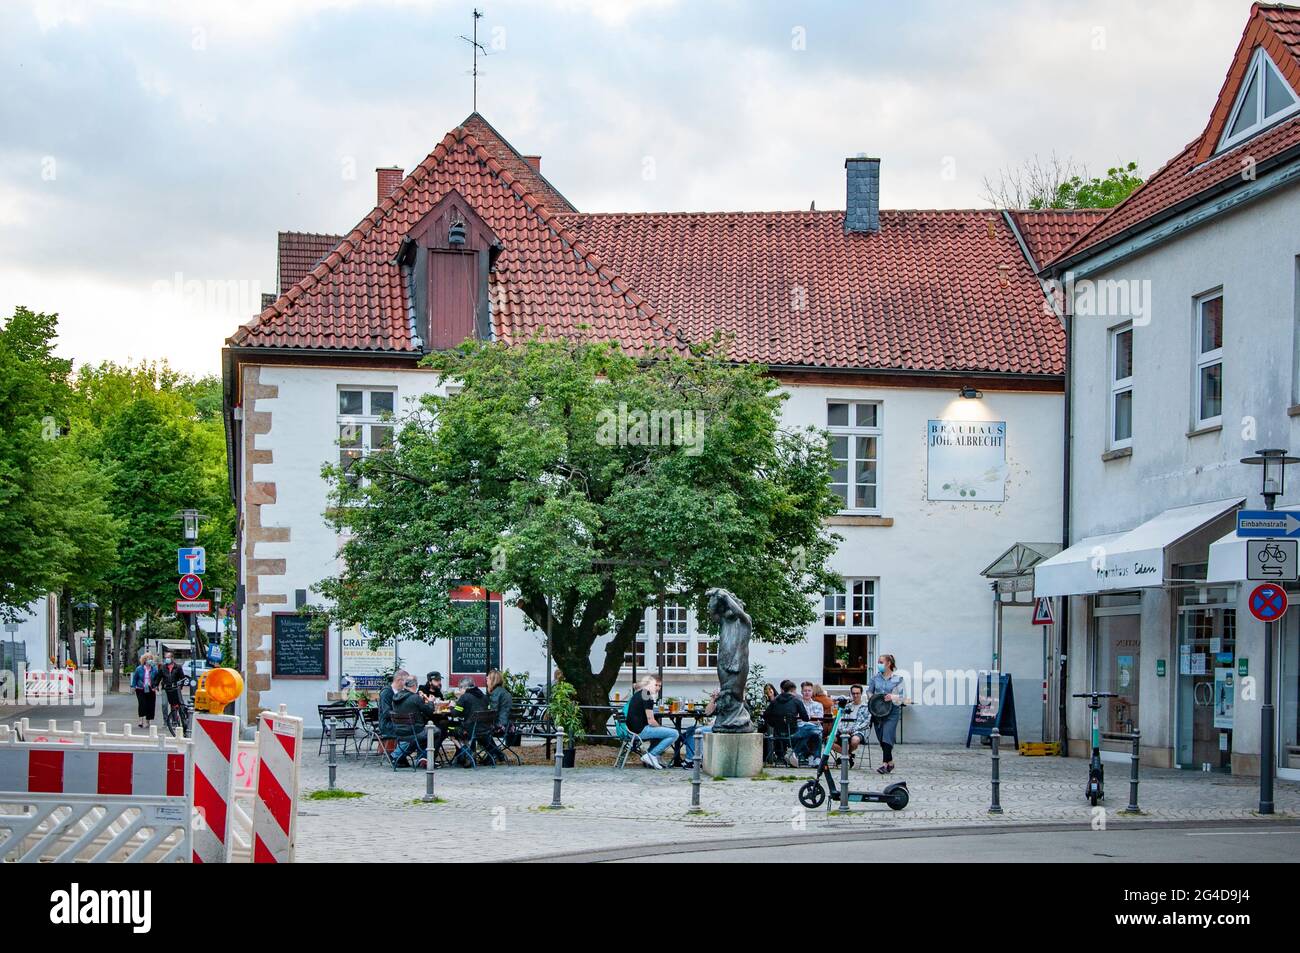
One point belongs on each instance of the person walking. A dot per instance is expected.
(887, 683)
(144, 680)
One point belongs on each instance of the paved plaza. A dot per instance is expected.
(502, 813)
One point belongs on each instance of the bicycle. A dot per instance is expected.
(179, 716)
(1095, 790)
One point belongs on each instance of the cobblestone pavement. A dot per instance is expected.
(502, 813)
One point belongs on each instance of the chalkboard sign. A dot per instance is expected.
(297, 651)
(995, 707)
(469, 648)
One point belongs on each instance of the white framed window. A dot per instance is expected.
(855, 431)
(684, 647)
(851, 608)
(674, 627)
(1208, 408)
(365, 423)
(1121, 386)
(706, 653)
(1264, 99)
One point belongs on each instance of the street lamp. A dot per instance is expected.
(190, 519)
(1273, 463)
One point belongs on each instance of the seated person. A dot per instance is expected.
(688, 735)
(397, 684)
(809, 736)
(858, 716)
(409, 702)
(784, 714)
(819, 695)
(500, 701)
(432, 687)
(469, 702)
(641, 721)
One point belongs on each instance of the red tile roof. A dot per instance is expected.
(1048, 232)
(299, 253)
(1196, 173)
(545, 280)
(931, 291)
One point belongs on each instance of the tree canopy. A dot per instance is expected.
(1060, 183)
(581, 482)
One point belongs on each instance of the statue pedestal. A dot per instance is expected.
(732, 755)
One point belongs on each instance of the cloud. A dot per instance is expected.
(146, 139)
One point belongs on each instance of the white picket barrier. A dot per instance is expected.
(95, 804)
(76, 735)
(242, 803)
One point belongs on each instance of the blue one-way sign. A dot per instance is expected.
(1261, 524)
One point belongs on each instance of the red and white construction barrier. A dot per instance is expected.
(49, 685)
(87, 804)
(216, 738)
(275, 814)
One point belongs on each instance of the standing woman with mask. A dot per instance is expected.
(887, 684)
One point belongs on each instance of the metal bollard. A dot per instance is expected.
(996, 806)
(430, 756)
(1133, 779)
(845, 738)
(559, 770)
(695, 775)
(333, 762)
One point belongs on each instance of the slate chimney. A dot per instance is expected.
(387, 178)
(862, 207)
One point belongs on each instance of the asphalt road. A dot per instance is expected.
(1152, 845)
(113, 710)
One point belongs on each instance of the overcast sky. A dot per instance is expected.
(150, 151)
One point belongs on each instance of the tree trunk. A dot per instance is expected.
(99, 638)
(119, 648)
(67, 624)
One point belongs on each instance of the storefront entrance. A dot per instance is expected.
(1116, 657)
(1289, 693)
(1207, 675)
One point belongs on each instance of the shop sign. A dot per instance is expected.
(966, 461)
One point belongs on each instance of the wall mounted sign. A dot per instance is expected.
(297, 651)
(359, 662)
(474, 651)
(966, 461)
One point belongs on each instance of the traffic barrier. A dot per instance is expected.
(93, 804)
(275, 813)
(215, 740)
(242, 803)
(49, 685)
(76, 735)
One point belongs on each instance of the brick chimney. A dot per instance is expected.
(388, 178)
(862, 207)
(535, 162)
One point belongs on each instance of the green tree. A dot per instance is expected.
(540, 478)
(1105, 192)
(1057, 182)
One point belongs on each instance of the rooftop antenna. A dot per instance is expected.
(478, 48)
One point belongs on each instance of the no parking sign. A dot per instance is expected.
(1268, 602)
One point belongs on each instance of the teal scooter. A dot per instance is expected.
(1095, 791)
(813, 795)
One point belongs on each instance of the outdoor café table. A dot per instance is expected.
(676, 718)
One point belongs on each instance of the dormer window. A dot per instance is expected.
(1264, 100)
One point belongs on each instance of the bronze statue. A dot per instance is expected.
(734, 631)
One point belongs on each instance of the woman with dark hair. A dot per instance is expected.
(886, 684)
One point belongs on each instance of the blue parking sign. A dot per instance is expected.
(191, 559)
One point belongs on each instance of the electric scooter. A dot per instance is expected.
(813, 795)
(1096, 773)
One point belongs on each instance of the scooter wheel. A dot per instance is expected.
(897, 799)
(812, 794)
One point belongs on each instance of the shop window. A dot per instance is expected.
(849, 616)
(1206, 674)
(1117, 658)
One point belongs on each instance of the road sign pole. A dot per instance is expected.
(1266, 743)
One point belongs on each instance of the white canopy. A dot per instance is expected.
(1131, 560)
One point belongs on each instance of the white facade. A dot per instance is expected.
(931, 609)
(1245, 264)
(33, 635)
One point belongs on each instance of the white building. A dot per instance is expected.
(875, 322)
(1185, 358)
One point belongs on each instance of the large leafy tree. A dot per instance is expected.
(1060, 183)
(543, 476)
(55, 527)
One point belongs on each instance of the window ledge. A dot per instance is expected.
(1201, 431)
(1119, 454)
(1293, 410)
(850, 519)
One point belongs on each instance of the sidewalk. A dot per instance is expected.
(501, 813)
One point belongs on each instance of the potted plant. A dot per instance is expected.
(359, 698)
(567, 718)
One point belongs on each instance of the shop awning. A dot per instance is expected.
(1132, 560)
(1228, 556)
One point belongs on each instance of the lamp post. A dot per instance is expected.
(1272, 464)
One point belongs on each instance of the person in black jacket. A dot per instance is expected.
(409, 702)
(470, 702)
(386, 702)
(784, 714)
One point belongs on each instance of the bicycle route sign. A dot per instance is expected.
(190, 586)
(1268, 602)
(1272, 560)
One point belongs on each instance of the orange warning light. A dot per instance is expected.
(217, 688)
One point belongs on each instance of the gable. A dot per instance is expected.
(1263, 100)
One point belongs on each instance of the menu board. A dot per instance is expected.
(297, 651)
(470, 652)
